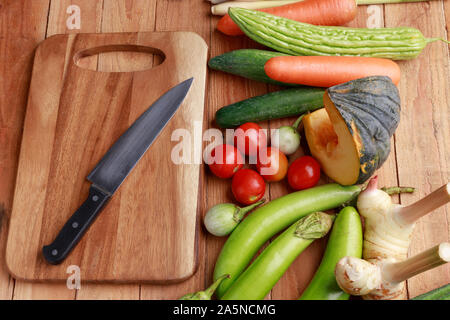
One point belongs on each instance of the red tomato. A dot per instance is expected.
(247, 186)
(304, 173)
(225, 160)
(249, 138)
(272, 164)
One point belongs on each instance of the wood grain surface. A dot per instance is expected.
(419, 156)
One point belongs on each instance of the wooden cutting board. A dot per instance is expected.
(148, 231)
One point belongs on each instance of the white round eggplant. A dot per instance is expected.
(221, 219)
(287, 138)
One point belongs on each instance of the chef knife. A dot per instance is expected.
(114, 167)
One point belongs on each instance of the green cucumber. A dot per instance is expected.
(274, 105)
(442, 293)
(247, 63)
(346, 239)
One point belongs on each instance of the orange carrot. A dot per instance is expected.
(318, 12)
(327, 71)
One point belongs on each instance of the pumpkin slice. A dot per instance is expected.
(350, 137)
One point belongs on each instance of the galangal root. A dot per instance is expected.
(387, 235)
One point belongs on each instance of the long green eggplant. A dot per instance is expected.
(268, 220)
(345, 240)
(261, 276)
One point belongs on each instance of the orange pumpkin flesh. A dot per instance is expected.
(332, 144)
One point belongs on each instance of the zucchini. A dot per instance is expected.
(297, 38)
(442, 293)
(247, 63)
(274, 105)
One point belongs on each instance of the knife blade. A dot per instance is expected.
(114, 167)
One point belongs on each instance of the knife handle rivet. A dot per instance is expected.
(54, 252)
(95, 198)
(75, 225)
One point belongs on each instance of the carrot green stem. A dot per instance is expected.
(241, 212)
(398, 190)
(297, 122)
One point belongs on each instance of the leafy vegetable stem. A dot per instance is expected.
(397, 190)
(409, 214)
(429, 259)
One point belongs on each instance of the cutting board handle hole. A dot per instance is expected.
(119, 58)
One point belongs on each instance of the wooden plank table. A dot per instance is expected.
(419, 157)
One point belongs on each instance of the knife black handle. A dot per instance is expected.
(76, 226)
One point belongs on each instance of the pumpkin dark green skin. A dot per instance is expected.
(370, 108)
